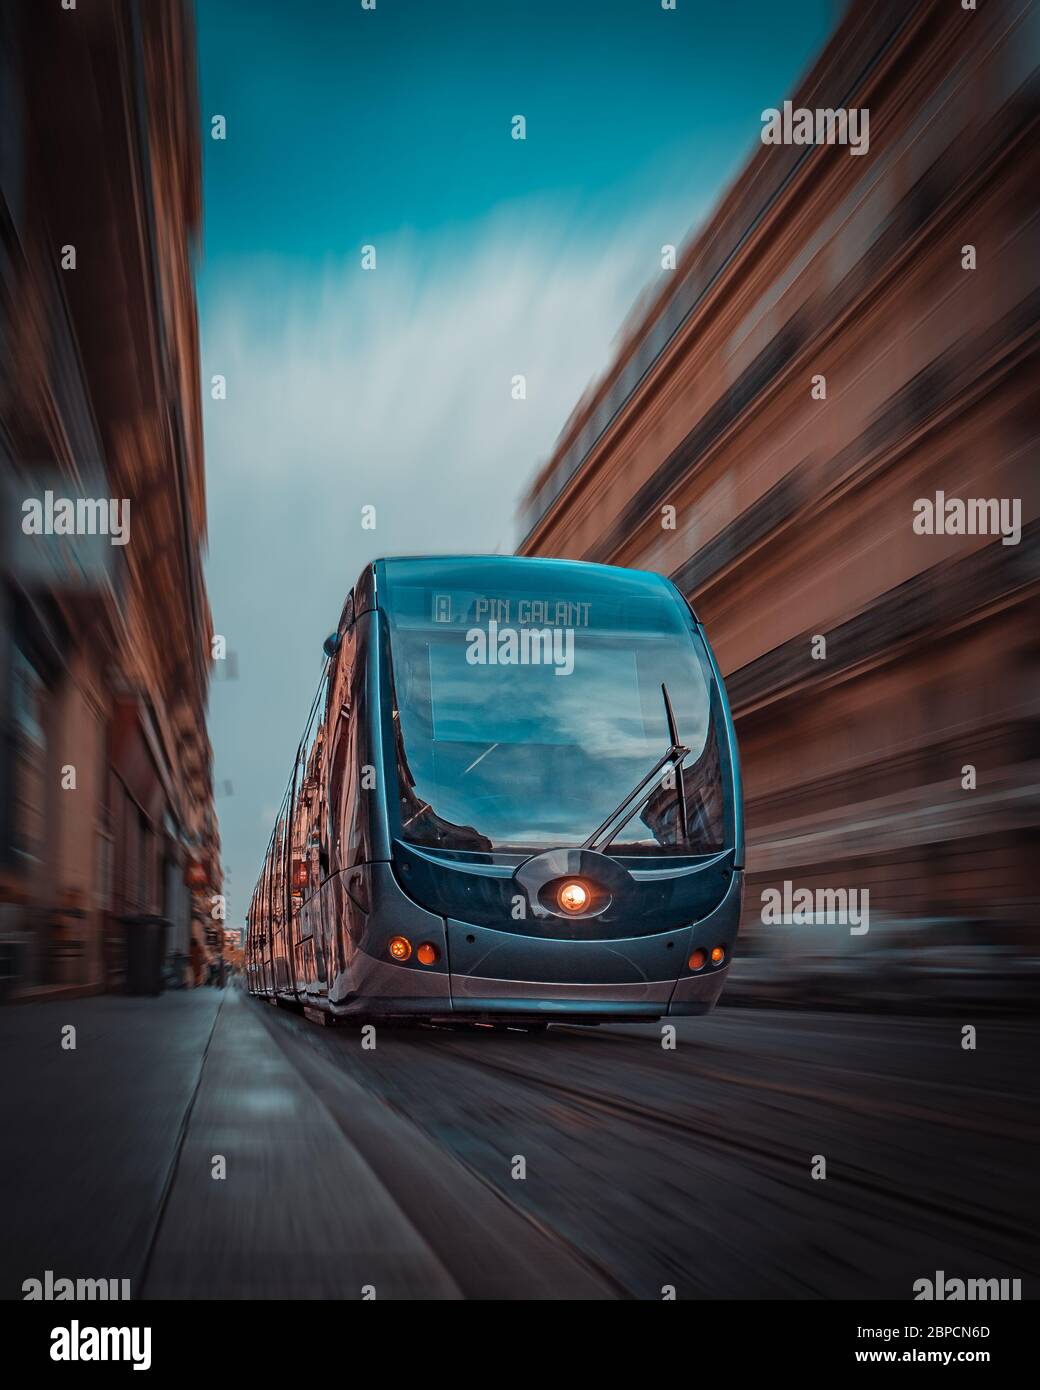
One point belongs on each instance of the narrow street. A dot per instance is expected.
(396, 1168)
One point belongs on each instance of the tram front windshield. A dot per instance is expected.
(524, 716)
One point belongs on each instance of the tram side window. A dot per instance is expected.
(345, 797)
(350, 778)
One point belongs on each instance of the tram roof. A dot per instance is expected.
(466, 570)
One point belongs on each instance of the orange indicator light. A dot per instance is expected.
(718, 955)
(427, 953)
(697, 960)
(400, 947)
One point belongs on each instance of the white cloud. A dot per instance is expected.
(393, 385)
(392, 388)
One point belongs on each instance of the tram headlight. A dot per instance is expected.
(427, 953)
(718, 955)
(573, 896)
(399, 947)
(698, 959)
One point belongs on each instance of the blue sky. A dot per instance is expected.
(495, 257)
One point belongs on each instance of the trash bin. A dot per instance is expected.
(145, 953)
(175, 975)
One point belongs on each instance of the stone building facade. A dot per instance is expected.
(846, 337)
(106, 804)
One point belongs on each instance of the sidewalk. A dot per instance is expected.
(107, 1160)
(300, 1214)
(110, 1153)
(90, 1135)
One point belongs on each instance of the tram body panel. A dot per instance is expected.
(374, 911)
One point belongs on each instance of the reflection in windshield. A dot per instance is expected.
(512, 756)
(420, 824)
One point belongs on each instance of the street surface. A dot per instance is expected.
(397, 1169)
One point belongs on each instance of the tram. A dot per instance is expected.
(516, 801)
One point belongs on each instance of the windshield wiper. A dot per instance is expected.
(680, 785)
(674, 757)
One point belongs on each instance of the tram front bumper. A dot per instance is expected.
(485, 971)
(391, 990)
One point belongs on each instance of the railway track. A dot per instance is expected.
(784, 1163)
(613, 1129)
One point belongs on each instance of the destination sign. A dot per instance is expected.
(524, 612)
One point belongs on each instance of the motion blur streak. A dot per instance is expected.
(845, 348)
(821, 360)
(107, 825)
